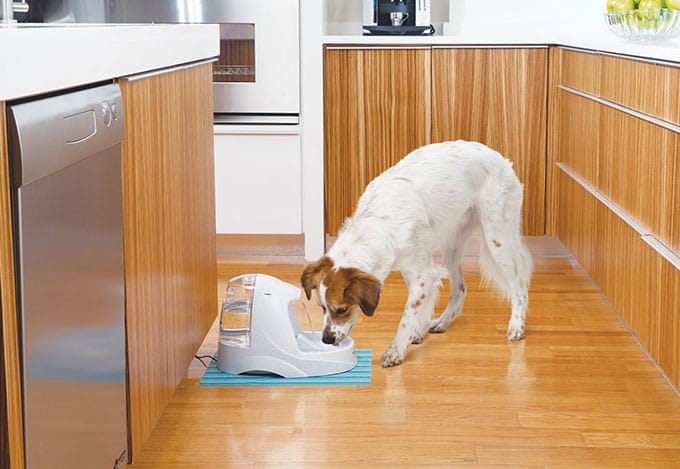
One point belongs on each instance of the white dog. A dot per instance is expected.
(431, 202)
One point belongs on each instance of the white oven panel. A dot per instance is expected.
(258, 187)
(276, 41)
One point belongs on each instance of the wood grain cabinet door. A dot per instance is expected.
(614, 167)
(169, 218)
(377, 110)
(498, 97)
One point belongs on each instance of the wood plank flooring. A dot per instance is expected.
(578, 392)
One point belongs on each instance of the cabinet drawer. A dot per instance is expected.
(258, 184)
(639, 282)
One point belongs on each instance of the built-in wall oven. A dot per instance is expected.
(257, 131)
(257, 75)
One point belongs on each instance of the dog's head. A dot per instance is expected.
(343, 293)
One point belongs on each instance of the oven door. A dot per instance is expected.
(257, 75)
(258, 71)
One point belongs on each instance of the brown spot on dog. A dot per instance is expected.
(416, 304)
(496, 243)
(422, 284)
(422, 297)
(348, 287)
(313, 273)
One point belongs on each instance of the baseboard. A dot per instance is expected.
(286, 248)
(241, 247)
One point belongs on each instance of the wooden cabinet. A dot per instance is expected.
(497, 96)
(377, 110)
(379, 107)
(627, 155)
(633, 167)
(169, 210)
(578, 117)
(613, 171)
(669, 322)
(11, 423)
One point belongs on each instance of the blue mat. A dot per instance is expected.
(360, 375)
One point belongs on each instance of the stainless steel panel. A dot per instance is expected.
(68, 221)
(70, 127)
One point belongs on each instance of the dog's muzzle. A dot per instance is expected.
(328, 337)
(333, 335)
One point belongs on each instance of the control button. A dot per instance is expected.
(106, 113)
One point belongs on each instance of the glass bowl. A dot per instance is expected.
(644, 25)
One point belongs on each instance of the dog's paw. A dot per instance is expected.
(437, 327)
(515, 333)
(392, 357)
(418, 339)
(443, 322)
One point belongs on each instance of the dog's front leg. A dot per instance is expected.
(415, 321)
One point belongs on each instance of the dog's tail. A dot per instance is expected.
(502, 278)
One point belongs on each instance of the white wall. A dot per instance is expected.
(349, 11)
(543, 14)
(465, 16)
(344, 16)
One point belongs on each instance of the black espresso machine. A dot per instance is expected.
(397, 17)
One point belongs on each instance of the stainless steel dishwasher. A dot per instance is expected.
(65, 159)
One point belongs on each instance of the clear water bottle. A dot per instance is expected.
(236, 311)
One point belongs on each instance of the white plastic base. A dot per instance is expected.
(277, 345)
(312, 358)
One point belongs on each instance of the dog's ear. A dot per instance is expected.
(313, 274)
(364, 290)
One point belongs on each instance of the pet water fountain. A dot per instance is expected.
(259, 333)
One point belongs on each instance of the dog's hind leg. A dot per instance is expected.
(423, 288)
(453, 260)
(504, 258)
(509, 267)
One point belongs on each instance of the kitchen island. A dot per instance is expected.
(42, 58)
(165, 75)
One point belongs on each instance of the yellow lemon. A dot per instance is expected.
(611, 5)
(623, 5)
(650, 4)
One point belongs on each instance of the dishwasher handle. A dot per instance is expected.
(49, 134)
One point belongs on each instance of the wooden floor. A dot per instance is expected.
(578, 392)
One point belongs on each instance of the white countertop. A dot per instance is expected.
(596, 37)
(40, 58)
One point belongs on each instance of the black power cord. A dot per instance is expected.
(201, 357)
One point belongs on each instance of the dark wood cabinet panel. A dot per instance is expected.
(379, 107)
(377, 110)
(170, 257)
(497, 96)
(634, 168)
(615, 190)
(578, 134)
